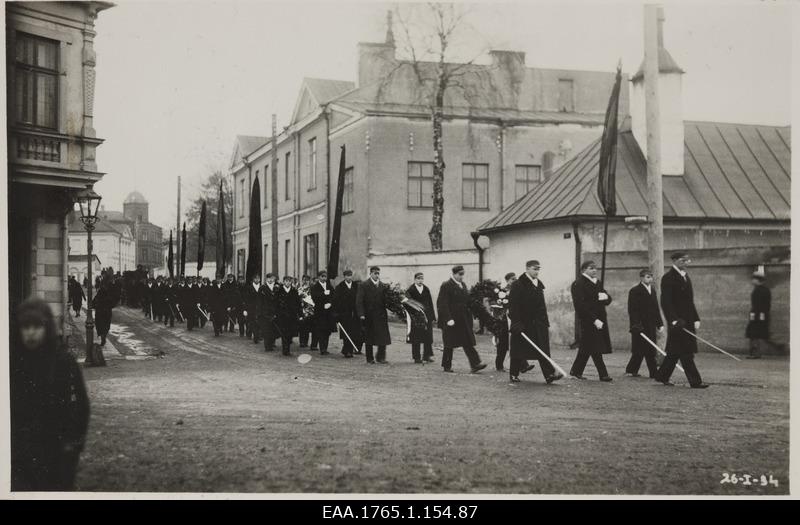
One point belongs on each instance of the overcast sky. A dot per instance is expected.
(178, 80)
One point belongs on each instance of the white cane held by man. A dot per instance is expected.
(555, 365)
(204, 314)
(715, 347)
(346, 334)
(659, 349)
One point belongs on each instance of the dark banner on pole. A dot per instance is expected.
(171, 258)
(223, 248)
(183, 252)
(333, 254)
(606, 182)
(201, 240)
(254, 244)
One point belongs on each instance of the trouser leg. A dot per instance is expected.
(599, 364)
(303, 336)
(690, 369)
(415, 355)
(502, 350)
(652, 364)
(634, 363)
(314, 340)
(579, 365)
(546, 368)
(472, 356)
(427, 351)
(286, 342)
(447, 358)
(368, 351)
(667, 367)
(322, 339)
(381, 355)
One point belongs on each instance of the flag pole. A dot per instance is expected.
(605, 244)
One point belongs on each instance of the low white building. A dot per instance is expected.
(113, 243)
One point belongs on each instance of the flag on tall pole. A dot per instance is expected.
(201, 240)
(183, 252)
(222, 238)
(171, 258)
(333, 253)
(254, 244)
(606, 181)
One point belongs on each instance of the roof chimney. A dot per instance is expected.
(670, 107)
(376, 59)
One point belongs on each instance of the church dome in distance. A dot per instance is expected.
(135, 197)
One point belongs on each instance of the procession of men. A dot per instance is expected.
(281, 309)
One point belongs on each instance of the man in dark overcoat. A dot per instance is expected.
(419, 334)
(169, 294)
(218, 306)
(371, 309)
(677, 302)
(76, 295)
(645, 319)
(251, 311)
(344, 305)
(269, 309)
(527, 312)
(758, 326)
(455, 320)
(323, 322)
(288, 314)
(590, 301)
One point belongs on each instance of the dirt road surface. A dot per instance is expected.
(221, 415)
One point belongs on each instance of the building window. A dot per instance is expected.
(475, 186)
(420, 184)
(526, 178)
(310, 254)
(312, 163)
(266, 255)
(241, 198)
(566, 95)
(547, 164)
(347, 196)
(286, 249)
(241, 263)
(36, 79)
(286, 185)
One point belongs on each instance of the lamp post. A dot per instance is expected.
(89, 202)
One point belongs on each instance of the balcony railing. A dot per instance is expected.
(38, 145)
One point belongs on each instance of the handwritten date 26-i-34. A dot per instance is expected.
(748, 480)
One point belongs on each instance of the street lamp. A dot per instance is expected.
(89, 202)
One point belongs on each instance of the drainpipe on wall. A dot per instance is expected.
(475, 236)
(65, 280)
(578, 250)
(502, 147)
(326, 112)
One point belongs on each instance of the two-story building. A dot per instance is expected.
(50, 74)
(503, 136)
(112, 242)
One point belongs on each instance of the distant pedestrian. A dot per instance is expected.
(758, 327)
(48, 402)
(422, 335)
(371, 308)
(103, 303)
(76, 295)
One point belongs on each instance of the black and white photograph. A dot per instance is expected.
(457, 251)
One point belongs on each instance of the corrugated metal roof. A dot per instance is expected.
(732, 171)
(325, 90)
(248, 143)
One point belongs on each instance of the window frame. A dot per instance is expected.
(474, 180)
(33, 72)
(527, 181)
(348, 196)
(312, 164)
(311, 264)
(421, 178)
(286, 186)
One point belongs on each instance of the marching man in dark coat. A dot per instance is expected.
(758, 327)
(288, 315)
(103, 302)
(645, 318)
(677, 301)
(455, 320)
(76, 295)
(147, 299)
(323, 322)
(502, 339)
(371, 309)
(252, 308)
(218, 307)
(169, 296)
(422, 335)
(527, 311)
(590, 301)
(344, 305)
(268, 294)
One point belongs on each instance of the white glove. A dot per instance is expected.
(229, 309)
(451, 323)
(327, 305)
(327, 292)
(661, 329)
(697, 325)
(245, 313)
(198, 304)
(602, 296)
(598, 324)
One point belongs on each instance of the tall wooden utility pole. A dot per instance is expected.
(653, 14)
(178, 235)
(274, 196)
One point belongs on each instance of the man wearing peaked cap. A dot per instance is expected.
(455, 321)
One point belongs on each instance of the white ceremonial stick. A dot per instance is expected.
(715, 347)
(659, 349)
(202, 312)
(408, 322)
(555, 365)
(346, 334)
